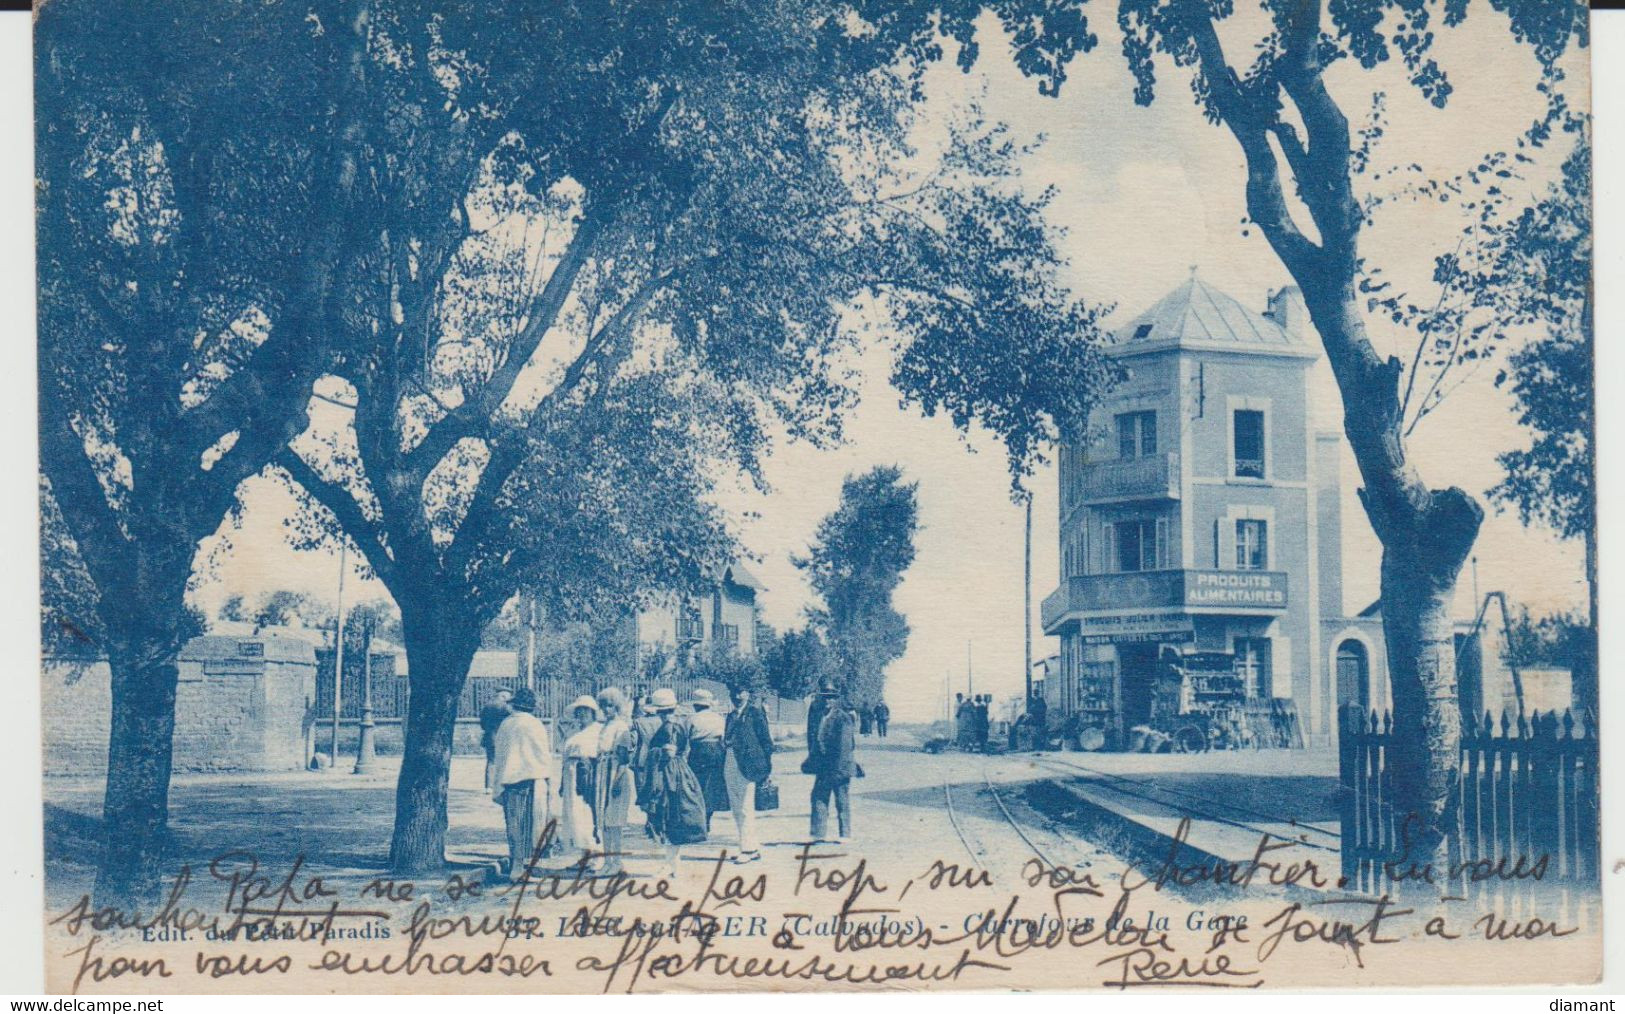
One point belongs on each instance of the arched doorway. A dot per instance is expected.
(1353, 675)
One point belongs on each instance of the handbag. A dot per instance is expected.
(767, 796)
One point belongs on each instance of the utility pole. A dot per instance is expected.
(530, 644)
(338, 660)
(1027, 610)
(366, 750)
(970, 674)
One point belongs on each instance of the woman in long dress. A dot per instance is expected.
(575, 782)
(613, 781)
(706, 728)
(675, 803)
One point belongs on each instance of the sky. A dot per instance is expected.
(1144, 194)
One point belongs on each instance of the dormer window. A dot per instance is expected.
(1143, 331)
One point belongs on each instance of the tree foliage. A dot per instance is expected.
(797, 663)
(858, 558)
(181, 265)
(636, 298)
(1560, 640)
(1547, 250)
(614, 248)
(194, 183)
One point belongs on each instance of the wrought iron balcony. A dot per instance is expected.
(1125, 480)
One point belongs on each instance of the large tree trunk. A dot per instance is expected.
(1425, 534)
(1426, 537)
(135, 806)
(440, 645)
(1419, 572)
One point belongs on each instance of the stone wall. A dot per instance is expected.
(241, 704)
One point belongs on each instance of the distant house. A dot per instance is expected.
(693, 626)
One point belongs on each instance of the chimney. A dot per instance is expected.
(1286, 309)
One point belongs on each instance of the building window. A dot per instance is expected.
(1255, 666)
(690, 628)
(730, 635)
(1252, 545)
(1137, 544)
(1249, 445)
(1136, 434)
(1075, 554)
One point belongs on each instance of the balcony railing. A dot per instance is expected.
(1154, 477)
(690, 630)
(1241, 591)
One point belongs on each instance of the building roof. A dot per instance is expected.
(1196, 315)
(741, 576)
(264, 646)
(494, 663)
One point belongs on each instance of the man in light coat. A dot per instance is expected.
(522, 757)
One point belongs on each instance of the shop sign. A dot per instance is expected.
(1244, 588)
(1130, 628)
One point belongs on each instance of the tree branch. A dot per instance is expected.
(1266, 200)
(82, 501)
(474, 416)
(346, 510)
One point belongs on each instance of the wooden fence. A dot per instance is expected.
(1524, 814)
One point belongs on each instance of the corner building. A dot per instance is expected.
(1200, 518)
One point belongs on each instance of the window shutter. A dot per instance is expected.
(1163, 549)
(1108, 562)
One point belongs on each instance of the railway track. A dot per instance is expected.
(1142, 790)
(978, 852)
(1197, 805)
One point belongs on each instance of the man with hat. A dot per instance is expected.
(522, 755)
(835, 768)
(815, 720)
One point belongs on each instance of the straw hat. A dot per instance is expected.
(663, 700)
(584, 701)
(702, 697)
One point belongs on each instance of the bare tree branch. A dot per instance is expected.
(346, 510)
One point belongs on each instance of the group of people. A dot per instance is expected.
(874, 718)
(678, 769)
(972, 722)
(1031, 730)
